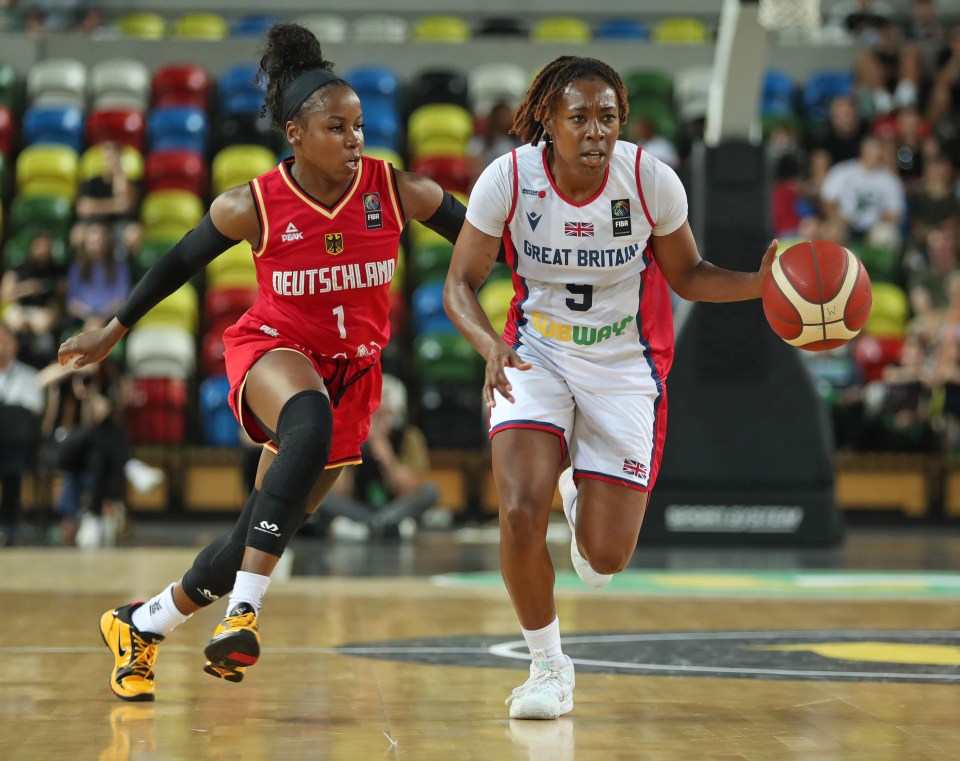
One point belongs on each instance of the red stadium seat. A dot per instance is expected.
(177, 170)
(120, 125)
(872, 354)
(156, 413)
(181, 85)
(7, 131)
(452, 173)
(212, 350)
(227, 304)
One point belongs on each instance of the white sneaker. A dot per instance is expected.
(547, 694)
(90, 531)
(143, 477)
(568, 493)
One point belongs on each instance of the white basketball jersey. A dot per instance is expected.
(589, 296)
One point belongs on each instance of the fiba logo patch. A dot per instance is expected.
(372, 210)
(620, 216)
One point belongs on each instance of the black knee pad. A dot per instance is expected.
(304, 434)
(214, 570)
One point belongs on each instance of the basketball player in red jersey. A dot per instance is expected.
(303, 362)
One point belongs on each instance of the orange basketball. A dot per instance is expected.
(817, 295)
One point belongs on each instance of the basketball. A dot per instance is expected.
(817, 295)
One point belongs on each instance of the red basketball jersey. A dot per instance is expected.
(323, 273)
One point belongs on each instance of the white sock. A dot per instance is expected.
(545, 642)
(159, 615)
(249, 588)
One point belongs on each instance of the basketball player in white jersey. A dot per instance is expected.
(595, 231)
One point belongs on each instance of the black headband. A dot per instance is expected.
(301, 88)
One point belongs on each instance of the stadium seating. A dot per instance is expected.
(649, 83)
(378, 28)
(438, 86)
(160, 351)
(226, 303)
(8, 86)
(452, 173)
(52, 213)
(253, 25)
(238, 164)
(177, 170)
(889, 313)
(443, 357)
(439, 129)
(778, 96)
(493, 83)
(426, 309)
(238, 91)
(59, 82)
(692, 92)
(680, 31)
(17, 248)
(233, 268)
(150, 249)
(178, 128)
(429, 262)
(120, 83)
(820, 88)
(45, 170)
(327, 27)
(220, 427)
(119, 125)
(8, 132)
(495, 297)
(142, 26)
(92, 163)
(200, 26)
(62, 125)
(440, 29)
(623, 29)
(384, 154)
(178, 310)
(169, 213)
(181, 84)
(561, 29)
(156, 411)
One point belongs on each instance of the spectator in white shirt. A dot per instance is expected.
(864, 200)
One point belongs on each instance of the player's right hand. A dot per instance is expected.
(91, 346)
(495, 378)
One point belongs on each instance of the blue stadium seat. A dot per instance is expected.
(377, 81)
(239, 92)
(381, 123)
(821, 88)
(253, 25)
(220, 428)
(427, 309)
(622, 29)
(177, 128)
(778, 94)
(54, 124)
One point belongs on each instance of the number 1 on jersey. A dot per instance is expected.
(338, 311)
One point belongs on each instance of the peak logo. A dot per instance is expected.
(292, 233)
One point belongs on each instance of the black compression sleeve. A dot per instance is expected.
(449, 218)
(196, 250)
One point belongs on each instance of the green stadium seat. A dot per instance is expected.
(648, 83)
(430, 262)
(17, 248)
(54, 213)
(448, 356)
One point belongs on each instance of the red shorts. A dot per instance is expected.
(354, 387)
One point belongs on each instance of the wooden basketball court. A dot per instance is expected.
(708, 664)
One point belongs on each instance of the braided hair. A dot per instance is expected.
(548, 86)
(291, 49)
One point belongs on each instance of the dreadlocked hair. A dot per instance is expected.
(548, 86)
(290, 50)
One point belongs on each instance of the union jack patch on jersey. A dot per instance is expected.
(634, 468)
(578, 229)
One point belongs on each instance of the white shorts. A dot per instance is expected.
(614, 437)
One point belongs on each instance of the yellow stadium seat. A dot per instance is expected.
(237, 164)
(384, 154)
(91, 163)
(178, 310)
(170, 213)
(142, 26)
(48, 170)
(234, 268)
(889, 313)
(440, 29)
(680, 31)
(561, 29)
(201, 26)
(439, 129)
(495, 296)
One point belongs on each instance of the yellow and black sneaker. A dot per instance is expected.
(134, 654)
(235, 644)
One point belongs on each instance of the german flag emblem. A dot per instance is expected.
(334, 243)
